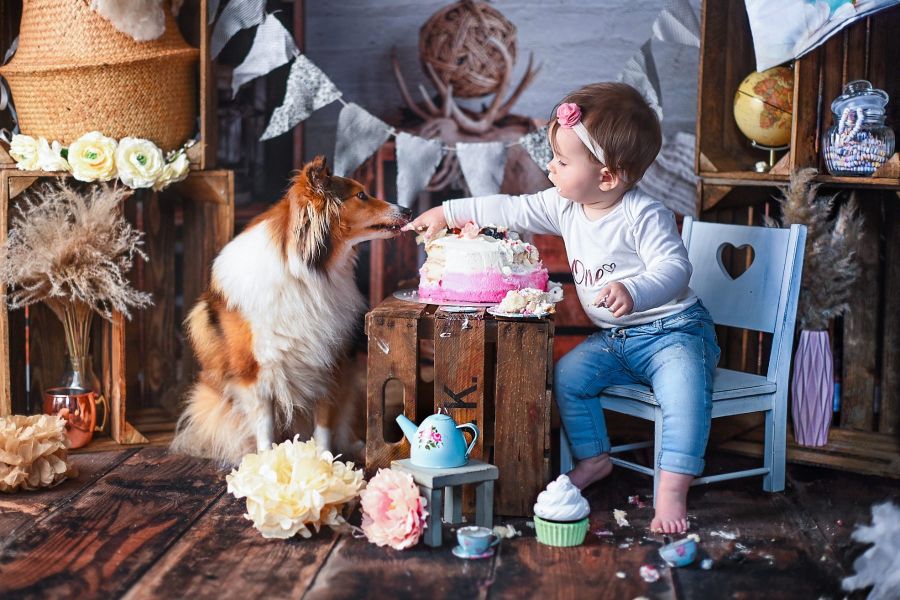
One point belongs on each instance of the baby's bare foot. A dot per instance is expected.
(671, 503)
(590, 470)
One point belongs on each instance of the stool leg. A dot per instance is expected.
(453, 504)
(484, 504)
(432, 535)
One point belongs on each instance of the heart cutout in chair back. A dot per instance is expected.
(735, 260)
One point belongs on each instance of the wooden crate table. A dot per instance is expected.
(491, 371)
(447, 483)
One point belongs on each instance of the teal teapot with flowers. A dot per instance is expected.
(438, 443)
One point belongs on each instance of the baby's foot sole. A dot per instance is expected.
(590, 471)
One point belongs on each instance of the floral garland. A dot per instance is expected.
(136, 162)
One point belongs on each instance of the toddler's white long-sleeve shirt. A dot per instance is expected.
(636, 244)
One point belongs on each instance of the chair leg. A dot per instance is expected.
(566, 462)
(775, 450)
(657, 450)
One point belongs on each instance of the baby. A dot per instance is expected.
(631, 272)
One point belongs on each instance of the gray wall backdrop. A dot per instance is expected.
(575, 42)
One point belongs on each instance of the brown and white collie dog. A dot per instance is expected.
(276, 321)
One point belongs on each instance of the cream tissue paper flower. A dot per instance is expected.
(92, 157)
(50, 156)
(294, 485)
(173, 171)
(33, 452)
(139, 162)
(24, 149)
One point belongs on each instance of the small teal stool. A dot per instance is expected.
(446, 484)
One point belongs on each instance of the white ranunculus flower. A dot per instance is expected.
(50, 156)
(173, 171)
(93, 157)
(140, 162)
(24, 149)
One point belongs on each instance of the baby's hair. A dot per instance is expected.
(622, 123)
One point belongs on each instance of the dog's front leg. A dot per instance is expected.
(260, 410)
(265, 425)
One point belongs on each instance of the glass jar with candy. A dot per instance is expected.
(859, 142)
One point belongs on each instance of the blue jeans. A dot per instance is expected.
(676, 356)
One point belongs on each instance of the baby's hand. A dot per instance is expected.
(430, 222)
(616, 298)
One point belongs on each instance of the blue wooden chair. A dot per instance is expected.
(763, 298)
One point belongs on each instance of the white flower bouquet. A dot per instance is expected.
(136, 162)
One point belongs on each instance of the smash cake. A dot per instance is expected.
(478, 264)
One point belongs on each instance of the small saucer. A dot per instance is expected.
(458, 553)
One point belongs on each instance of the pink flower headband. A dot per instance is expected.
(568, 114)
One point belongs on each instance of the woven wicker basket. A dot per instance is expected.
(74, 72)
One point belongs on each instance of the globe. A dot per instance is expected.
(764, 106)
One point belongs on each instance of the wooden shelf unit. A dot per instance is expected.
(865, 341)
(142, 363)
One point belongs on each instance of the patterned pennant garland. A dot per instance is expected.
(237, 15)
(482, 165)
(538, 147)
(272, 47)
(359, 134)
(677, 23)
(308, 90)
(640, 73)
(417, 160)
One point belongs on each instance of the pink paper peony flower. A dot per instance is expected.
(568, 114)
(470, 231)
(393, 512)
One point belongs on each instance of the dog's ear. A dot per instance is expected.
(317, 175)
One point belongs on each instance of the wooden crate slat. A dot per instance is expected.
(395, 342)
(158, 324)
(459, 369)
(889, 417)
(522, 415)
(861, 329)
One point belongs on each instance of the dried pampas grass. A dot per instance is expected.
(73, 250)
(33, 452)
(830, 264)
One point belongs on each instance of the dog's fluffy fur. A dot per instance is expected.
(275, 323)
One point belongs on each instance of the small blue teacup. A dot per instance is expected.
(476, 540)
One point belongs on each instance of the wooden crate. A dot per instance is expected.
(143, 363)
(725, 157)
(494, 372)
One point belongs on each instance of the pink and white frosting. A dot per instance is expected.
(478, 269)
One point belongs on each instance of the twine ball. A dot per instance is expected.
(455, 42)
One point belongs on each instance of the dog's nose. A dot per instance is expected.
(406, 212)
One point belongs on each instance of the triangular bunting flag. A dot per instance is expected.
(272, 47)
(417, 159)
(359, 134)
(482, 165)
(308, 90)
(537, 145)
(677, 23)
(237, 15)
(640, 73)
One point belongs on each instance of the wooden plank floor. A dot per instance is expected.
(141, 523)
